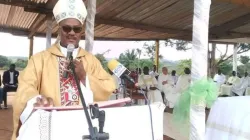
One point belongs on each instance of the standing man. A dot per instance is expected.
(154, 72)
(149, 84)
(10, 82)
(183, 81)
(174, 76)
(42, 82)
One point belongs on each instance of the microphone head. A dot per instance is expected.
(112, 64)
(117, 68)
(70, 48)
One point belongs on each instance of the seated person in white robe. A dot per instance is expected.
(149, 84)
(219, 78)
(226, 89)
(239, 89)
(183, 81)
(166, 85)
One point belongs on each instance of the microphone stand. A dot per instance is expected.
(93, 133)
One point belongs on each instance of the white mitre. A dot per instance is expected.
(65, 9)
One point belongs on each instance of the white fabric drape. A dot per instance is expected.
(72, 125)
(232, 123)
(199, 63)
(90, 25)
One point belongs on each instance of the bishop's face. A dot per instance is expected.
(70, 32)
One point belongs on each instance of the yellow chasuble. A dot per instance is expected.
(41, 77)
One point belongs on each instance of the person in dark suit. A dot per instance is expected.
(10, 82)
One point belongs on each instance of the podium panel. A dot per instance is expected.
(122, 123)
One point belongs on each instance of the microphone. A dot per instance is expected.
(119, 70)
(70, 49)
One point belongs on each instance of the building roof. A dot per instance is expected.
(132, 19)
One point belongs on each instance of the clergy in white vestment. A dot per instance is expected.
(154, 72)
(233, 79)
(219, 78)
(174, 76)
(239, 89)
(226, 89)
(166, 85)
(149, 84)
(183, 81)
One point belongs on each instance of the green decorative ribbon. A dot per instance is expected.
(202, 93)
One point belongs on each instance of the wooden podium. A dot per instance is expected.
(122, 123)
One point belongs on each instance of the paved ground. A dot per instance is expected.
(6, 124)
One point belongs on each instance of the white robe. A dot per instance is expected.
(153, 73)
(147, 81)
(183, 83)
(241, 87)
(168, 89)
(175, 79)
(233, 79)
(227, 89)
(229, 119)
(220, 79)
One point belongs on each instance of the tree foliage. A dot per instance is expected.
(182, 65)
(180, 45)
(21, 63)
(244, 59)
(4, 61)
(129, 59)
(146, 62)
(150, 51)
(226, 67)
(102, 60)
(241, 48)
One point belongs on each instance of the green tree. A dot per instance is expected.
(146, 62)
(180, 45)
(241, 70)
(102, 60)
(20, 63)
(226, 67)
(129, 59)
(4, 61)
(183, 46)
(244, 60)
(150, 51)
(182, 65)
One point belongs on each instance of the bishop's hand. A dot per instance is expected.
(44, 102)
(79, 69)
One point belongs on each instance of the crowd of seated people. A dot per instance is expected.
(162, 87)
(234, 86)
(167, 87)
